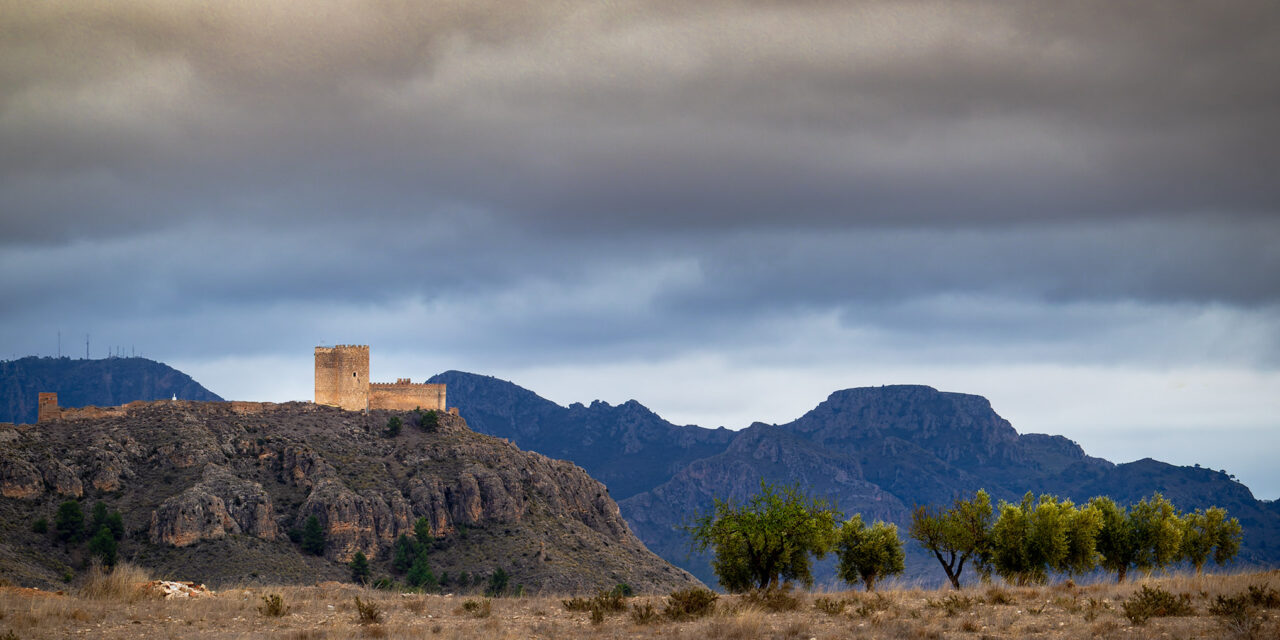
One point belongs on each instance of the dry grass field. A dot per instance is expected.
(1222, 607)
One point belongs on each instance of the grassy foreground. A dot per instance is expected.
(1222, 607)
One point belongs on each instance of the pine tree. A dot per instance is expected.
(360, 568)
(313, 541)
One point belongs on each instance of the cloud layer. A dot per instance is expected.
(783, 194)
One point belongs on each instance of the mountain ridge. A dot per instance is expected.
(877, 451)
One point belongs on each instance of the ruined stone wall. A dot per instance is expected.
(342, 376)
(406, 396)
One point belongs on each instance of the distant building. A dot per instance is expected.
(342, 380)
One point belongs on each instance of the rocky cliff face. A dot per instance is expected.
(188, 475)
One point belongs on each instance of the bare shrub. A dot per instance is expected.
(953, 604)
(644, 613)
(830, 606)
(996, 595)
(746, 624)
(368, 612)
(125, 582)
(1155, 602)
(478, 608)
(690, 604)
(774, 599)
(273, 606)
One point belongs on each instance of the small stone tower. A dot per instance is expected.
(342, 376)
(47, 406)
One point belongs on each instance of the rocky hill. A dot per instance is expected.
(79, 383)
(210, 492)
(877, 451)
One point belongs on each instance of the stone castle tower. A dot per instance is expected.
(342, 380)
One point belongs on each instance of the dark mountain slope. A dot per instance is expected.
(79, 383)
(894, 447)
(627, 447)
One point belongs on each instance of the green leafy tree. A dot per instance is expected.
(1033, 538)
(1157, 533)
(313, 540)
(773, 537)
(868, 553)
(115, 522)
(1115, 542)
(1209, 531)
(69, 522)
(103, 545)
(956, 535)
(360, 568)
(101, 516)
(393, 426)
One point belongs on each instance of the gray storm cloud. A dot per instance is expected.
(628, 193)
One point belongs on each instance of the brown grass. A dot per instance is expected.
(1222, 607)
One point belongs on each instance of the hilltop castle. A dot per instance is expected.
(342, 380)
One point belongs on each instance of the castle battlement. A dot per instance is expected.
(342, 380)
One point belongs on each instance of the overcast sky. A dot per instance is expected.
(723, 209)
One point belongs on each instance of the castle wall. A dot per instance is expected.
(342, 376)
(405, 396)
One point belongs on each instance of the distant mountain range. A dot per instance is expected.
(104, 383)
(877, 451)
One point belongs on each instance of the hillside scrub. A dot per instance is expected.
(1203, 607)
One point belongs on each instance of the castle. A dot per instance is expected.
(342, 380)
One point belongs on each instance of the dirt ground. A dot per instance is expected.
(329, 611)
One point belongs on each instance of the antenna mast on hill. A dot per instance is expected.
(86, 346)
(59, 343)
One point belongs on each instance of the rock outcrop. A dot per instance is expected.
(195, 480)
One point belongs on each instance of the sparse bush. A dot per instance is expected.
(1155, 602)
(953, 604)
(40, 526)
(273, 606)
(393, 427)
(830, 606)
(368, 612)
(428, 420)
(1263, 596)
(690, 604)
(870, 606)
(577, 604)
(498, 582)
(774, 598)
(996, 595)
(478, 608)
(1094, 608)
(9, 635)
(124, 582)
(1238, 614)
(644, 613)
(623, 589)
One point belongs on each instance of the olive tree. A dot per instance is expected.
(868, 553)
(1210, 531)
(1157, 533)
(1035, 537)
(772, 537)
(956, 535)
